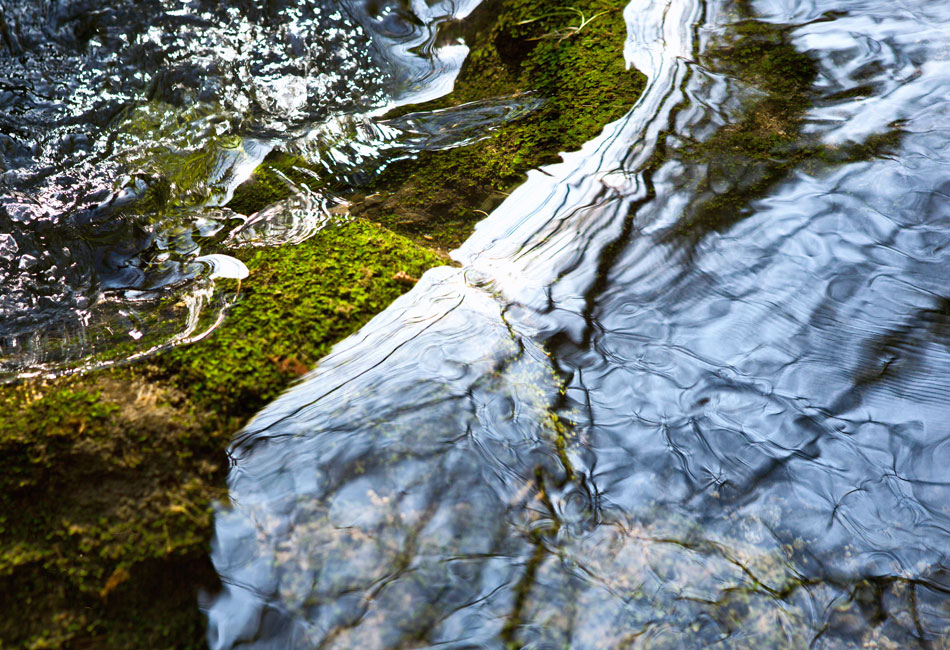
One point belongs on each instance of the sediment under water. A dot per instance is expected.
(607, 430)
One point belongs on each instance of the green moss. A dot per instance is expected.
(516, 46)
(581, 78)
(270, 182)
(119, 467)
(302, 299)
(104, 474)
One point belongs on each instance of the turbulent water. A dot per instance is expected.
(605, 430)
(126, 125)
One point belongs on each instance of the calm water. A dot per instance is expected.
(603, 432)
(604, 429)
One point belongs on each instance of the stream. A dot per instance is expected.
(605, 431)
(126, 126)
(625, 418)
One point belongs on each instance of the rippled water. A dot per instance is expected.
(126, 125)
(608, 430)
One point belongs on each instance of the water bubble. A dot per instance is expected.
(225, 266)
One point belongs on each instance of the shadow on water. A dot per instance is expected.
(688, 387)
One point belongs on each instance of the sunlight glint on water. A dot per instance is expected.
(125, 126)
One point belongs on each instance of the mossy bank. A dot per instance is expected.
(105, 502)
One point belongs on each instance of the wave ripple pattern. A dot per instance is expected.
(607, 430)
(125, 126)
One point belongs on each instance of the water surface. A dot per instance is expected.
(608, 430)
(125, 128)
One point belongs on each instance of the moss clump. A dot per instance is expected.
(302, 300)
(103, 474)
(119, 468)
(580, 77)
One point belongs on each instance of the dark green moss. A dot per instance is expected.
(516, 47)
(582, 79)
(302, 300)
(269, 183)
(104, 475)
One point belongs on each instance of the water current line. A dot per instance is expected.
(531, 235)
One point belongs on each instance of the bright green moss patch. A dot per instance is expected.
(568, 54)
(298, 302)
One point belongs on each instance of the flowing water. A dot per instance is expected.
(126, 126)
(667, 399)
(621, 425)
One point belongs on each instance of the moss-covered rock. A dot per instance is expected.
(104, 473)
(571, 55)
(105, 501)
